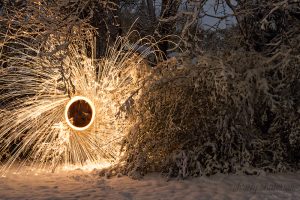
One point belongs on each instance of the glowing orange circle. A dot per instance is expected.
(82, 110)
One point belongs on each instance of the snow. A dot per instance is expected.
(79, 184)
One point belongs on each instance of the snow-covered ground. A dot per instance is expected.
(79, 184)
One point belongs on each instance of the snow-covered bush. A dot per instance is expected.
(233, 113)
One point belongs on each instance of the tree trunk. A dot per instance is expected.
(169, 9)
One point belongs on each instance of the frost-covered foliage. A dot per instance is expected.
(228, 114)
(267, 24)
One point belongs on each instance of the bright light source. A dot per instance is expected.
(80, 113)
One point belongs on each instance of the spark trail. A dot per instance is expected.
(38, 102)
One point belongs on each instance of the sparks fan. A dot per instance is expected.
(66, 111)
